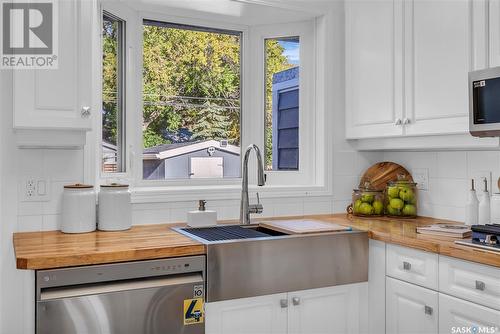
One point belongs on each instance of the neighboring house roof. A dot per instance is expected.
(165, 151)
(107, 146)
(286, 75)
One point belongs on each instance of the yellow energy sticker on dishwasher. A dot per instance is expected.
(193, 311)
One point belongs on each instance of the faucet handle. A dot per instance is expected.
(256, 208)
(258, 198)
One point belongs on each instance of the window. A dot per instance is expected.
(113, 101)
(282, 60)
(191, 102)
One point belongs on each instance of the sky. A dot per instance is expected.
(291, 51)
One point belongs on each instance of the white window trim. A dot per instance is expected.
(313, 173)
(305, 176)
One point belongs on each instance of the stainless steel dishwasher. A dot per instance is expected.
(157, 296)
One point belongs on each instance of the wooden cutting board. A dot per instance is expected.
(382, 172)
(302, 226)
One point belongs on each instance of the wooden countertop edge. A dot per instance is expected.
(39, 263)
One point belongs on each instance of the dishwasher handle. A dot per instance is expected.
(116, 286)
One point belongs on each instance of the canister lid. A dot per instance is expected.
(78, 186)
(114, 185)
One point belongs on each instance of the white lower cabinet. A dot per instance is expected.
(410, 308)
(328, 310)
(455, 314)
(255, 315)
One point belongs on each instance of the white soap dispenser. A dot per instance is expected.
(472, 207)
(202, 217)
(484, 206)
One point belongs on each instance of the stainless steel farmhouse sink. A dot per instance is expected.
(249, 260)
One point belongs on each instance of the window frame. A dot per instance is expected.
(305, 30)
(121, 103)
(280, 183)
(244, 82)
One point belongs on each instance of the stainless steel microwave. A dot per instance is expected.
(484, 102)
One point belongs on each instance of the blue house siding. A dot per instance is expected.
(286, 120)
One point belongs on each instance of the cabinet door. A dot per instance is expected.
(410, 308)
(454, 312)
(255, 315)
(327, 310)
(374, 97)
(438, 57)
(53, 99)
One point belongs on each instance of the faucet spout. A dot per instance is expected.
(245, 208)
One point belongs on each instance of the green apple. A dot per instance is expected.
(366, 209)
(356, 206)
(367, 198)
(396, 203)
(410, 210)
(393, 192)
(407, 195)
(378, 207)
(392, 212)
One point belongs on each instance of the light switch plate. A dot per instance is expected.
(34, 189)
(421, 178)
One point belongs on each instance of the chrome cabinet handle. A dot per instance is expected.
(284, 303)
(406, 121)
(406, 265)
(398, 122)
(428, 310)
(85, 112)
(295, 301)
(480, 285)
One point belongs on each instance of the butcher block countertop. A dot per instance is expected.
(403, 232)
(53, 249)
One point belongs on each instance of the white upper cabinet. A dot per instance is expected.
(494, 32)
(374, 103)
(407, 64)
(438, 57)
(59, 98)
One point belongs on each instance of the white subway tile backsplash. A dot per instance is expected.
(452, 165)
(482, 161)
(29, 223)
(63, 165)
(344, 163)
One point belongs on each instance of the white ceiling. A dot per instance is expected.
(246, 12)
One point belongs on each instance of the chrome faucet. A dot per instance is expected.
(245, 207)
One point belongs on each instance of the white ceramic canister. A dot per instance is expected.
(495, 208)
(78, 209)
(115, 209)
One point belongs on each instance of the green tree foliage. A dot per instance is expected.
(191, 79)
(109, 81)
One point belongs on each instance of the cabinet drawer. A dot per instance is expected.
(470, 281)
(413, 266)
(454, 312)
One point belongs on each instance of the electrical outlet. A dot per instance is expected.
(421, 178)
(479, 177)
(34, 189)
